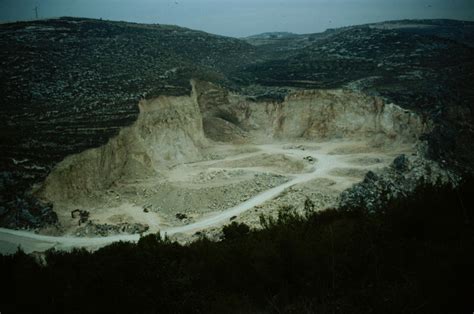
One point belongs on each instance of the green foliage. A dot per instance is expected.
(415, 256)
(235, 231)
(152, 240)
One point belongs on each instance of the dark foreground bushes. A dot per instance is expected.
(417, 256)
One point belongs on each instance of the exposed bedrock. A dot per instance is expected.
(310, 115)
(168, 131)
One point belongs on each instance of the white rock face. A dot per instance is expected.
(168, 131)
(323, 114)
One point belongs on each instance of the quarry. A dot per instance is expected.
(155, 168)
(125, 145)
(191, 164)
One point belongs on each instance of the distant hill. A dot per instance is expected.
(270, 35)
(274, 42)
(461, 31)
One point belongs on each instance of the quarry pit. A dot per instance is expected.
(191, 164)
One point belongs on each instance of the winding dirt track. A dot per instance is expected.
(10, 240)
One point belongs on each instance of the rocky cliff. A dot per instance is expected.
(168, 131)
(312, 115)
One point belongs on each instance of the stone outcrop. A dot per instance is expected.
(402, 179)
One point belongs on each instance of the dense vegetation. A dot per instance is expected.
(415, 256)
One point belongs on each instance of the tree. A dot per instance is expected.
(235, 230)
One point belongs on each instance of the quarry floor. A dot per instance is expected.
(231, 183)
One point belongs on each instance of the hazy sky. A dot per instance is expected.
(243, 17)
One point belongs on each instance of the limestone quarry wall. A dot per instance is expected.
(168, 131)
(324, 114)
